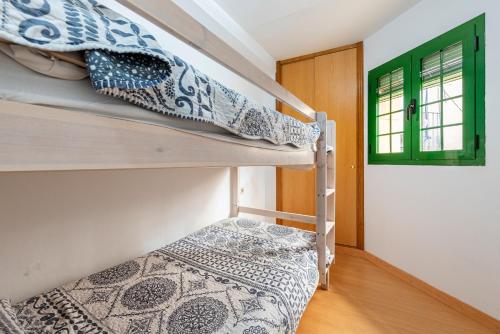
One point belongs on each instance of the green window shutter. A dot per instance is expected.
(443, 82)
(444, 88)
(389, 127)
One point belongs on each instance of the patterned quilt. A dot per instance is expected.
(126, 61)
(235, 276)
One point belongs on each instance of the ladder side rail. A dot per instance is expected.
(321, 201)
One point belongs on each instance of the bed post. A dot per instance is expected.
(321, 199)
(330, 189)
(234, 191)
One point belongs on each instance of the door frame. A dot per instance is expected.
(360, 155)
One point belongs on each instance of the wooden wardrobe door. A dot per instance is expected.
(296, 189)
(336, 92)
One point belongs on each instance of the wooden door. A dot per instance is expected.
(336, 93)
(330, 82)
(297, 187)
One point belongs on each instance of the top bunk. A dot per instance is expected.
(72, 131)
(35, 138)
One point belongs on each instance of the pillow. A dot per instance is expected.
(47, 63)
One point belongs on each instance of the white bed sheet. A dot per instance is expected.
(20, 84)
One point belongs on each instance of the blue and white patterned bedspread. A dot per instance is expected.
(235, 276)
(126, 61)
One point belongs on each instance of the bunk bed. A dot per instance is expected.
(265, 273)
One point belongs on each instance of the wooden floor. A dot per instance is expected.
(365, 299)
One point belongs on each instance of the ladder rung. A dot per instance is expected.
(278, 214)
(329, 260)
(329, 226)
(330, 191)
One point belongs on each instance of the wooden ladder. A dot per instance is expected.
(325, 199)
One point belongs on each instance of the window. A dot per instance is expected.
(427, 106)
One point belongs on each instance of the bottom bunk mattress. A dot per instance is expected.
(235, 276)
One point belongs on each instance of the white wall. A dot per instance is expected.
(441, 224)
(59, 226)
(210, 14)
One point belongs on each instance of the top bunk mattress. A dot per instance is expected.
(20, 84)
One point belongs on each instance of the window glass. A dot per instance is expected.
(441, 100)
(390, 118)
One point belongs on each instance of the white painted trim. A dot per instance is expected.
(43, 138)
(279, 214)
(285, 215)
(321, 201)
(234, 191)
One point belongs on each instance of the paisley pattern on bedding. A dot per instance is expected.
(191, 94)
(235, 276)
(73, 25)
(126, 61)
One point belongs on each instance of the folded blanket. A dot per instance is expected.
(126, 61)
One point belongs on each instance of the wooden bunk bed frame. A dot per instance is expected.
(38, 138)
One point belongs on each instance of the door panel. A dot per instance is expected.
(296, 188)
(327, 82)
(336, 93)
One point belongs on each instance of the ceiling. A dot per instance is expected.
(289, 28)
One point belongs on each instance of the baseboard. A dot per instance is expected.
(349, 250)
(456, 304)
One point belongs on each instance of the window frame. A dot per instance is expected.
(471, 34)
(403, 62)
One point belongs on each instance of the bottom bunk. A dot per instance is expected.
(235, 276)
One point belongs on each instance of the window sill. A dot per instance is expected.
(476, 162)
